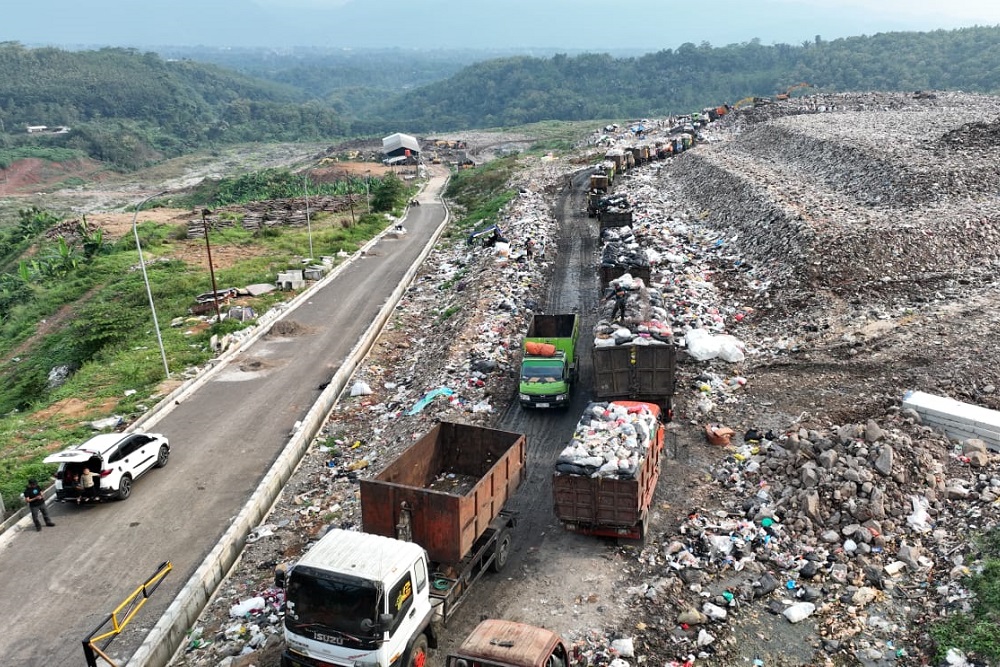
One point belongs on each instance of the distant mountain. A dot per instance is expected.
(130, 108)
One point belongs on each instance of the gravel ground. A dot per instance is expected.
(847, 242)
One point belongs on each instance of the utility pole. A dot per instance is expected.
(305, 188)
(211, 269)
(368, 192)
(145, 279)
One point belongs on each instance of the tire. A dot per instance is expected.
(418, 652)
(162, 456)
(124, 487)
(501, 552)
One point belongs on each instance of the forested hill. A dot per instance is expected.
(130, 108)
(512, 91)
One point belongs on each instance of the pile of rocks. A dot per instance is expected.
(866, 523)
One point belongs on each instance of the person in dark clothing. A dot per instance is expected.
(36, 503)
(621, 298)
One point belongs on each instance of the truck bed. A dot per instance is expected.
(639, 372)
(445, 522)
(609, 506)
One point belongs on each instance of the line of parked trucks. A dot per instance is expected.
(434, 521)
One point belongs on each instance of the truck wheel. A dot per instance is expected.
(501, 552)
(418, 652)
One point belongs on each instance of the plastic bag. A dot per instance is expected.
(701, 345)
(919, 520)
(361, 388)
(730, 348)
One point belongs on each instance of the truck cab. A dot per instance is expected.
(549, 366)
(545, 381)
(356, 598)
(498, 643)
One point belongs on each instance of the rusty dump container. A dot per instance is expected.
(609, 506)
(454, 481)
(639, 372)
(599, 182)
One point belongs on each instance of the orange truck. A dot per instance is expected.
(498, 643)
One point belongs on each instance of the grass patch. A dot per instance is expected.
(97, 324)
(975, 632)
(448, 312)
(481, 193)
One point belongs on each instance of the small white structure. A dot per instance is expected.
(400, 145)
(958, 420)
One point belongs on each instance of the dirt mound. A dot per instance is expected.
(34, 175)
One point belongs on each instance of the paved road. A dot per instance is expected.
(59, 584)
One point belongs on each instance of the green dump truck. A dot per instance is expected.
(549, 366)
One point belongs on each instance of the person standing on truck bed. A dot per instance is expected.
(621, 298)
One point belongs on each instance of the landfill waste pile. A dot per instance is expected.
(644, 321)
(850, 525)
(610, 441)
(815, 259)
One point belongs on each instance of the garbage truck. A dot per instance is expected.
(433, 523)
(501, 643)
(641, 372)
(604, 480)
(549, 366)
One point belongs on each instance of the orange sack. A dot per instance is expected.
(540, 349)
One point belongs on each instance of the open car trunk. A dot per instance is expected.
(69, 479)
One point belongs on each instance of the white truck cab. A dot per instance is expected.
(358, 599)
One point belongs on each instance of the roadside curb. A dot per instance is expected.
(167, 637)
(166, 404)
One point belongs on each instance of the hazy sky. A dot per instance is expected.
(597, 25)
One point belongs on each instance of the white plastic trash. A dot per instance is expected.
(623, 647)
(799, 611)
(247, 607)
(360, 388)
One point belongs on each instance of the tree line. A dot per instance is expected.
(131, 108)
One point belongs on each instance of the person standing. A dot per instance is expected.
(87, 489)
(36, 503)
(621, 299)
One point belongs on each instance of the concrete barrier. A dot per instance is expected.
(958, 420)
(168, 636)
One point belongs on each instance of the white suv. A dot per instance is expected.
(115, 459)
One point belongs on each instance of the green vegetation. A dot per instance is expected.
(481, 193)
(50, 153)
(75, 320)
(385, 191)
(975, 632)
(131, 109)
(517, 90)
